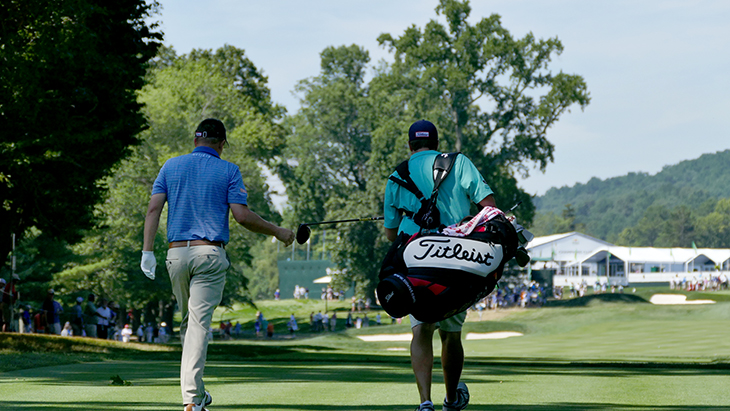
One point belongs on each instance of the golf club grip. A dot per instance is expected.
(352, 220)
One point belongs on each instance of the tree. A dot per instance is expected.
(180, 92)
(661, 227)
(327, 170)
(69, 112)
(349, 134)
(449, 74)
(713, 229)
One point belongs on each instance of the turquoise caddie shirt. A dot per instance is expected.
(464, 185)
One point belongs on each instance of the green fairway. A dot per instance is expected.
(591, 356)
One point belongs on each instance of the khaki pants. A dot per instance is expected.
(198, 275)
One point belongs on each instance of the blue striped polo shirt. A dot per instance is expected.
(199, 186)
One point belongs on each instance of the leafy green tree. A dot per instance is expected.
(449, 73)
(68, 107)
(661, 227)
(647, 230)
(181, 91)
(349, 134)
(329, 145)
(327, 170)
(713, 230)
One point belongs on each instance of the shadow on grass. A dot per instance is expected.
(593, 299)
(142, 406)
(159, 374)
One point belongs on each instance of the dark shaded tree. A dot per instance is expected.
(69, 73)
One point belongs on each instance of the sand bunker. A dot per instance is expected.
(675, 299)
(386, 337)
(407, 337)
(492, 336)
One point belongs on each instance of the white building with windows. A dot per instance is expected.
(578, 258)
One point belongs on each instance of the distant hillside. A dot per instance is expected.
(603, 208)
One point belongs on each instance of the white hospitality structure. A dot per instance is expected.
(578, 258)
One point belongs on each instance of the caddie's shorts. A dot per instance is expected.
(452, 324)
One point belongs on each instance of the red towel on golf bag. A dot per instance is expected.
(435, 276)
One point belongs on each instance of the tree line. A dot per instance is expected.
(684, 204)
(493, 97)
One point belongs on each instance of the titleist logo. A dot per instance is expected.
(436, 248)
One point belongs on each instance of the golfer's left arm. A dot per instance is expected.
(253, 222)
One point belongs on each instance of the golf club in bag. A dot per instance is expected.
(434, 276)
(303, 232)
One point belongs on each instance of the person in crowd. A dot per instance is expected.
(333, 321)
(113, 331)
(67, 330)
(77, 318)
(102, 325)
(270, 330)
(292, 325)
(463, 186)
(126, 333)
(39, 322)
(149, 333)
(325, 322)
(3, 283)
(8, 301)
(50, 308)
(25, 320)
(163, 335)
(91, 317)
(200, 189)
(140, 333)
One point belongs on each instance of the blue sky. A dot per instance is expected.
(657, 71)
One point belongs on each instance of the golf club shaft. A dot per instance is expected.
(352, 220)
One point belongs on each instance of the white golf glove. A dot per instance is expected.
(149, 264)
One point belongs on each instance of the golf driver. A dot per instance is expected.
(303, 231)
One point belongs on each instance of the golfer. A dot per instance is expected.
(200, 189)
(461, 187)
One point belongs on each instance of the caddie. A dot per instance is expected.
(463, 186)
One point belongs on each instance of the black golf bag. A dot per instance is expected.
(435, 276)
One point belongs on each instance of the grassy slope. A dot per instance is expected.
(594, 355)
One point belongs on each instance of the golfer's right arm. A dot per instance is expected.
(253, 222)
(152, 220)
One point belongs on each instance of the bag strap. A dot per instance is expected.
(405, 180)
(442, 166)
